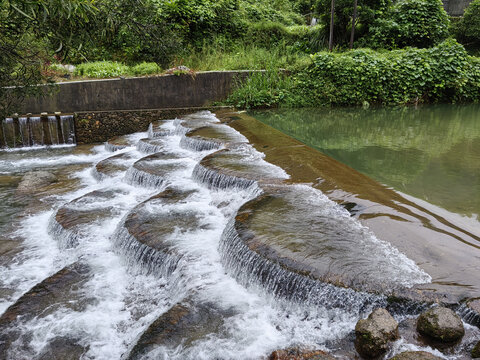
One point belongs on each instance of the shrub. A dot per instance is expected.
(260, 90)
(145, 69)
(420, 23)
(101, 69)
(467, 29)
(444, 73)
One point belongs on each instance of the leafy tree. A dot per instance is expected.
(23, 26)
(420, 23)
(467, 29)
(367, 12)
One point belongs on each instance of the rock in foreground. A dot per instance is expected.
(373, 334)
(299, 354)
(441, 324)
(415, 355)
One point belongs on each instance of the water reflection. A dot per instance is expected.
(431, 152)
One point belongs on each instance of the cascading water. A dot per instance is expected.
(25, 132)
(154, 239)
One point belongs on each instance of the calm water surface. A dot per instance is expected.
(430, 152)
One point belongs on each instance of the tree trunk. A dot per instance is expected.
(332, 12)
(354, 20)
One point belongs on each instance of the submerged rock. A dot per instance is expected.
(476, 351)
(415, 355)
(373, 334)
(441, 324)
(299, 354)
(59, 290)
(63, 348)
(183, 324)
(35, 180)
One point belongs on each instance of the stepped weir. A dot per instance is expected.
(185, 242)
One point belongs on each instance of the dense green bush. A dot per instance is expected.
(444, 73)
(261, 90)
(467, 28)
(101, 69)
(420, 23)
(145, 69)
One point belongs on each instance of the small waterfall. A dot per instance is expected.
(66, 239)
(250, 268)
(155, 134)
(135, 176)
(30, 131)
(114, 147)
(143, 257)
(149, 147)
(199, 144)
(468, 315)
(216, 180)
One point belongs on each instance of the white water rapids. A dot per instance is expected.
(122, 299)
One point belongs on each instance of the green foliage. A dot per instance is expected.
(244, 57)
(367, 12)
(467, 28)
(444, 73)
(260, 90)
(101, 69)
(420, 23)
(145, 69)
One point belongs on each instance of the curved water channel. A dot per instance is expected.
(208, 239)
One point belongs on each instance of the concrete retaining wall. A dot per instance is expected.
(169, 91)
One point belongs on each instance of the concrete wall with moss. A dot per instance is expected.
(158, 92)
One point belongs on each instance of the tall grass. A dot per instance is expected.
(244, 57)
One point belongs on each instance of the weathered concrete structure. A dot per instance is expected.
(455, 7)
(159, 92)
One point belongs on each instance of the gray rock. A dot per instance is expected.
(300, 354)
(476, 351)
(373, 334)
(35, 180)
(440, 324)
(415, 355)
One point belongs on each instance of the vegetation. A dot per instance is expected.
(467, 29)
(108, 38)
(445, 73)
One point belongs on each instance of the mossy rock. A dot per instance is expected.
(373, 334)
(441, 324)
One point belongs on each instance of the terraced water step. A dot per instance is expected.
(111, 165)
(238, 167)
(156, 130)
(182, 325)
(211, 137)
(152, 171)
(147, 236)
(118, 143)
(68, 224)
(151, 146)
(296, 243)
(61, 290)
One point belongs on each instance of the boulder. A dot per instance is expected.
(440, 324)
(415, 355)
(476, 351)
(35, 180)
(300, 354)
(373, 334)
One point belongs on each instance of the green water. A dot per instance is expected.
(430, 152)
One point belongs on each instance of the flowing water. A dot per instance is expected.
(167, 232)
